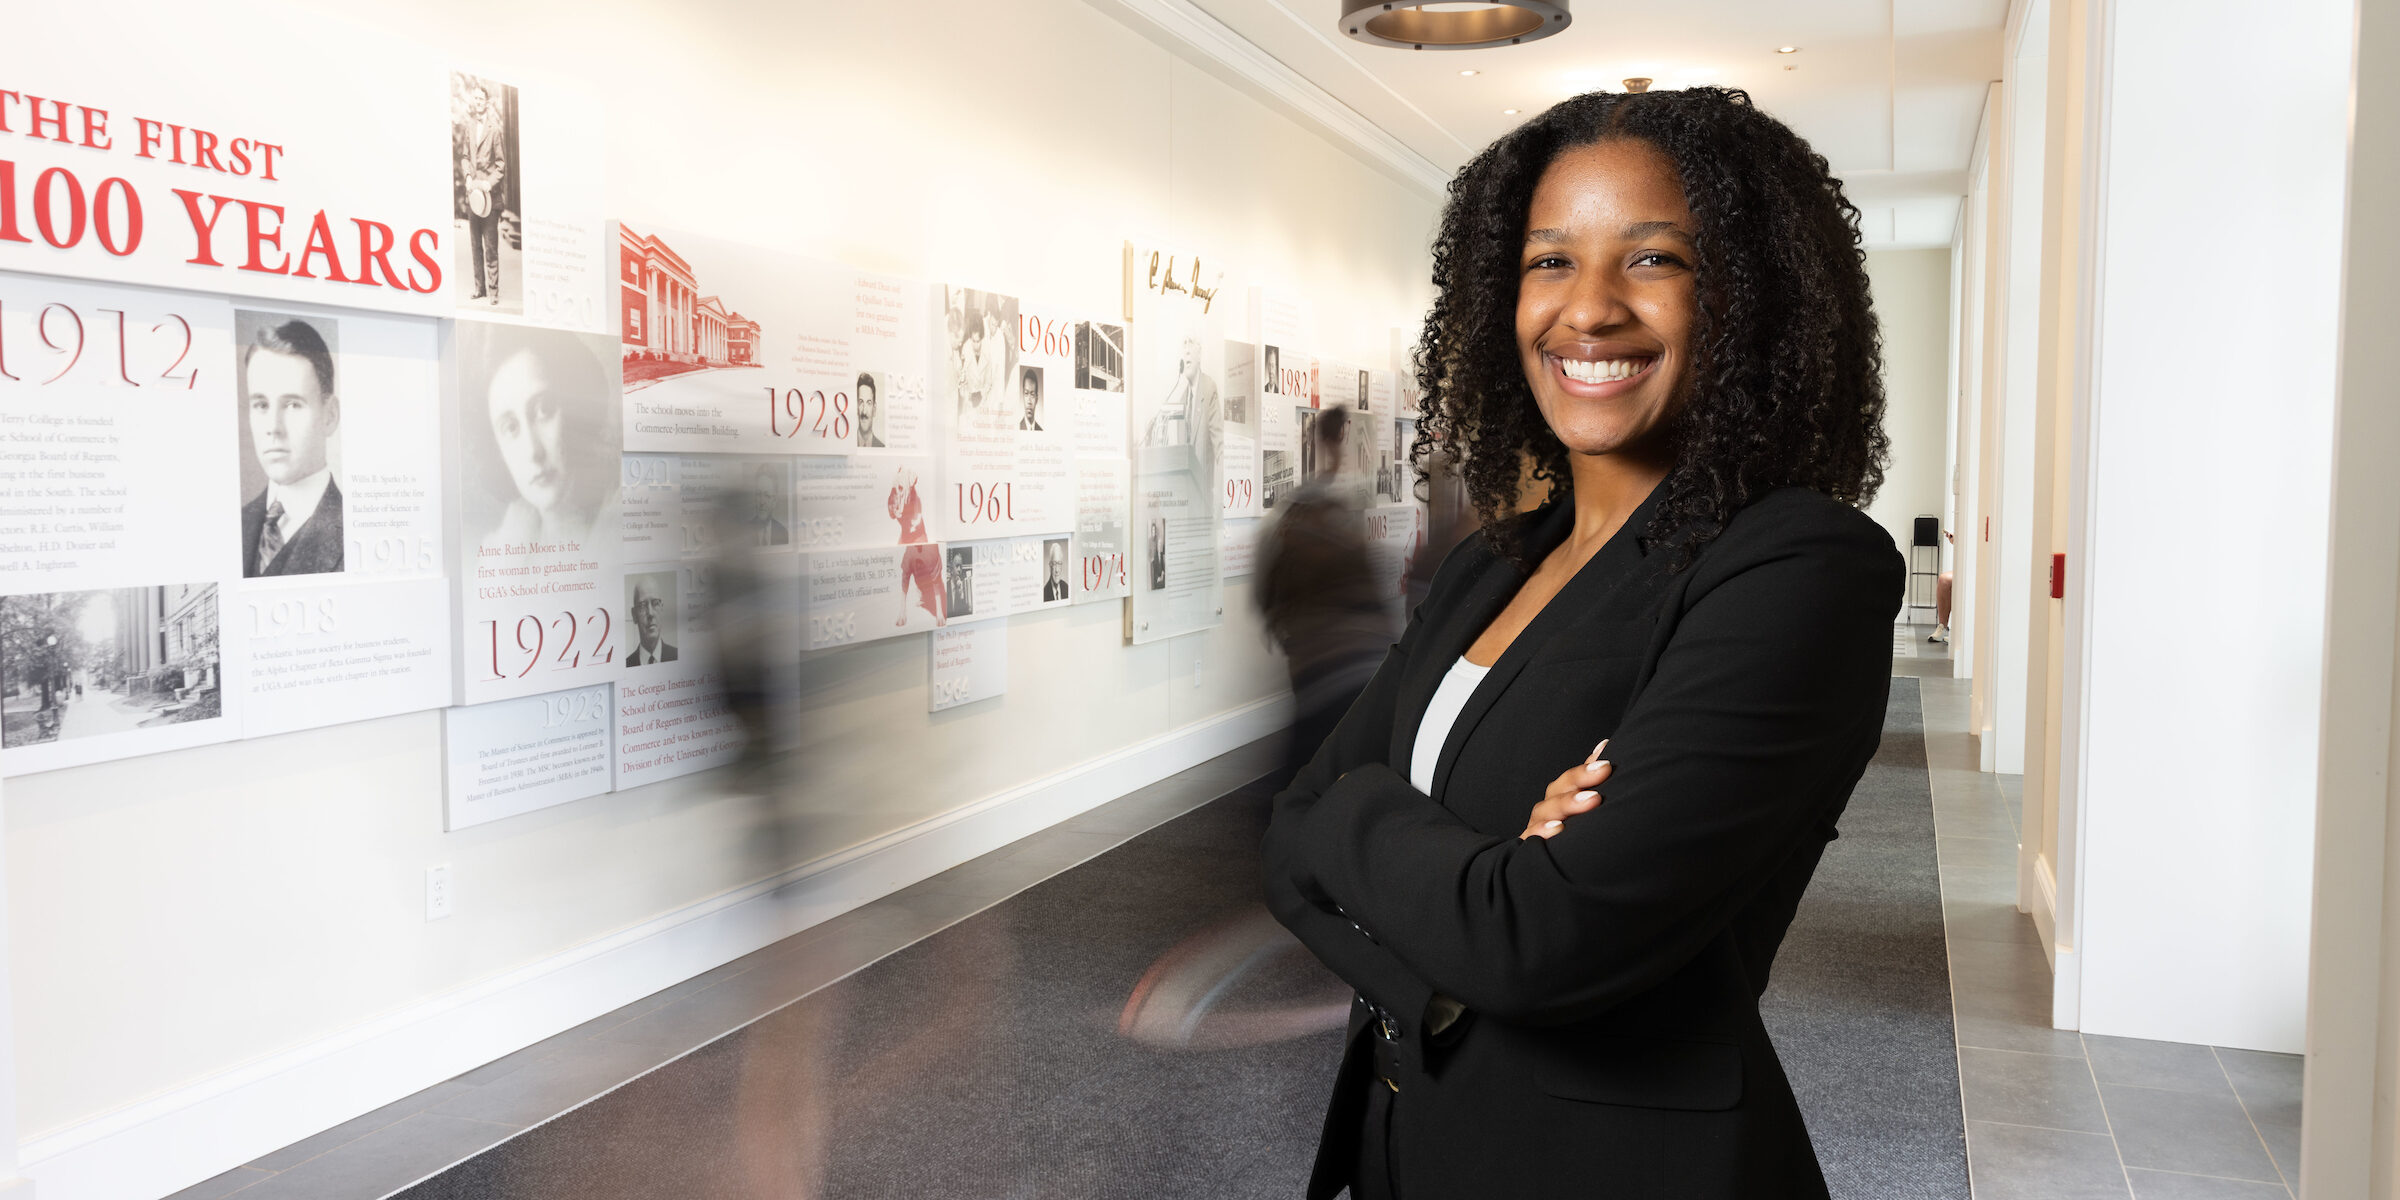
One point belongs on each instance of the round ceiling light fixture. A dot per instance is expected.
(1787, 49)
(1638, 84)
(1451, 25)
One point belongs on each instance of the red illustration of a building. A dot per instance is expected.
(668, 325)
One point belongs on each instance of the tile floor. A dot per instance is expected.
(2057, 1115)
(2050, 1114)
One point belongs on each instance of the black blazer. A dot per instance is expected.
(1611, 974)
(314, 549)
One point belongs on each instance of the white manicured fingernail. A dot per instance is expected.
(1552, 824)
(1597, 749)
(1594, 766)
(1582, 796)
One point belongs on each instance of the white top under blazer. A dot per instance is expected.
(1440, 714)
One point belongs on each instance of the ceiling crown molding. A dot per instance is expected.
(1183, 23)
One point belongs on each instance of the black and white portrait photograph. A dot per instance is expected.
(1054, 570)
(958, 579)
(287, 383)
(1029, 398)
(1387, 482)
(77, 664)
(541, 433)
(979, 355)
(1273, 384)
(867, 398)
(1158, 553)
(1303, 419)
(1099, 357)
(765, 504)
(1363, 405)
(652, 618)
(484, 190)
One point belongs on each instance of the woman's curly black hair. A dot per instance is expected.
(1786, 386)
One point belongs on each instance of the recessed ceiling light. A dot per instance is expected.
(1470, 72)
(1510, 112)
(1787, 49)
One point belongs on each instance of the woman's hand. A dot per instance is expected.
(1575, 792)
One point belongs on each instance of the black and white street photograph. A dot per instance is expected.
(287, 383)
(78, 664)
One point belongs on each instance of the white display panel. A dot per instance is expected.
(671, 713)
(534, 476)
(965, 665)
(1241, 547)
(118, 522)
(1392, 541)
(339, 171)
(515, 756)
(1006, 397)
(863, 595)
(1239, 493)
(1103, 555)
(733, 349)
(347, 616)
(1178, 430)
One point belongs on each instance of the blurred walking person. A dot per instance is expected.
(1317, 591)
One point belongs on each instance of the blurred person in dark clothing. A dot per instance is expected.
(1318, 593)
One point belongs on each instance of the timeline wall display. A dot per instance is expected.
(1178, 415)
(349, 167)
(118, 522)
(733, 349)
(507, 757)
(534, 420)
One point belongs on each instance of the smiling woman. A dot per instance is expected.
(1652, 316)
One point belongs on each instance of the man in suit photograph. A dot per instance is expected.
(1029, 392)
(482, 176)
(293, 526)
(1054, 570)
(870, 423)
(650, 617)
(766, 500)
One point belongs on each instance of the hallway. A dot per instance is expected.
(1112, 978)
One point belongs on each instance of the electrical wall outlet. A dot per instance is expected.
(437, 892)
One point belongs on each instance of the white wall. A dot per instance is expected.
(178, 916)
(2014, 538)
(2211, 446)
(1912, 300)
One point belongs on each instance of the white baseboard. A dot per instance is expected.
(174, 1140)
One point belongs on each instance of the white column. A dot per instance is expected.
(2211, 446)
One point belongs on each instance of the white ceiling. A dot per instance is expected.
(1889, 91)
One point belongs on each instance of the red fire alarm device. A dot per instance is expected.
(2058, 576)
